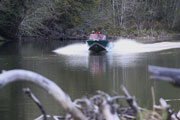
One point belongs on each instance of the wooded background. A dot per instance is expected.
(56, 18)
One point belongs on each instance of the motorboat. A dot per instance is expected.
(97, 42)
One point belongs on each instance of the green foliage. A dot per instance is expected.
(69, 12)
(10, 18)
(115, 17)
(34, 21)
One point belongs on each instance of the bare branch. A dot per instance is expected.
(38, 103)
(51, 87)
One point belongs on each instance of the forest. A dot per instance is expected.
(58, 19)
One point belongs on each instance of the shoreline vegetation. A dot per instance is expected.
(140, 38)
(74, 19)
(143, 39)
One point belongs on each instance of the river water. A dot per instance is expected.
(80, 73)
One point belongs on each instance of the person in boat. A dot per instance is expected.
(101, 36)
(104, 37)
(93, 32)
(97, 36)
(93, 36)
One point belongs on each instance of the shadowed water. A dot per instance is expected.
(79, 72)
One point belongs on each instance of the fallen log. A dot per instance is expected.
(104, 111)
(170, 75)
(16, 75)
(100, 106)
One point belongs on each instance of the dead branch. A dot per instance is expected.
(131, 100)
(171, 75)
(37, 102)
(100, 106)
(51, 87)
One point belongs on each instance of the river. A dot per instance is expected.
(80, 73)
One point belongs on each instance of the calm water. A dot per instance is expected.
(79, 73)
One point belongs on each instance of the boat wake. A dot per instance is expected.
(122, 46)
(127, 46)
(121, 52)
(78, 49)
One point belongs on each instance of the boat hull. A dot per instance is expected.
(97, 46)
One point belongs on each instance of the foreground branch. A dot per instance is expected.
(100, 106)
(33, 97)
(51, 87)
(171, 75)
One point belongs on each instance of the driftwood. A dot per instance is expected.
(15, 75)
(100, 106)
(104, 108)
(34, 98)
(171, 75)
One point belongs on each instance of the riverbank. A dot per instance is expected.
(159, 38)
(142, 39)
(79, 34)
(148, 36)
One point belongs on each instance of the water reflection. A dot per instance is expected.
(80, 73)
(98, 64)
(126, 63)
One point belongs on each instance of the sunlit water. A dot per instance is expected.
(79, 72)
